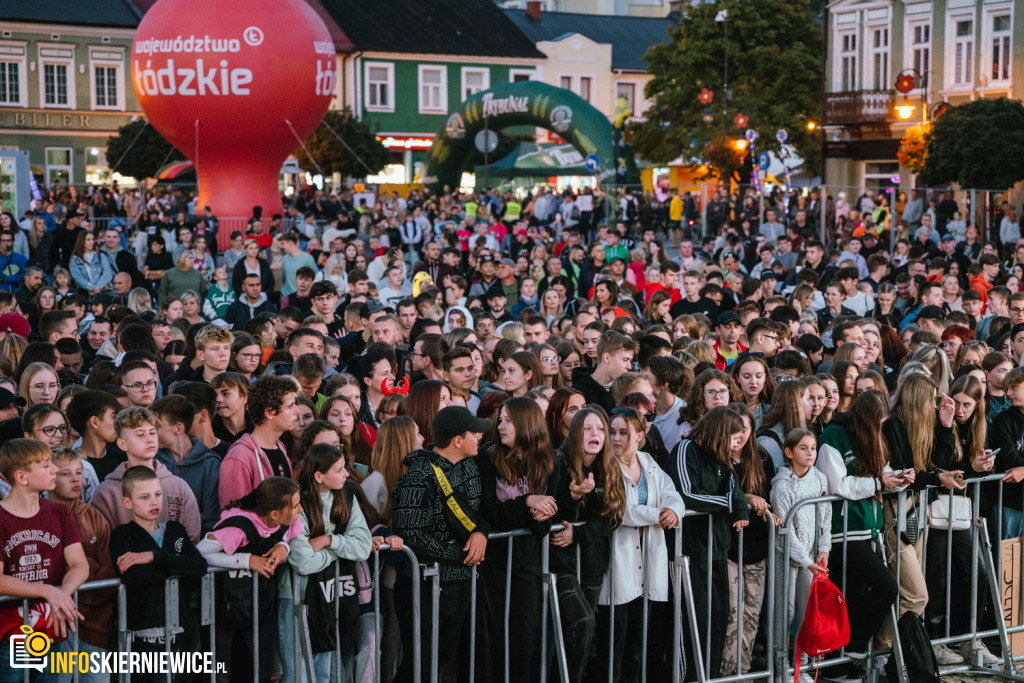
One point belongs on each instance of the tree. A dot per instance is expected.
(977, 145)
(360, 147)
(913, 151)
(138, 150)
(774, 69)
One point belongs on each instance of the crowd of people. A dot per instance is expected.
(419, 373)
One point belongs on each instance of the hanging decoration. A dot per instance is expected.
(781, 135)
(755, 179)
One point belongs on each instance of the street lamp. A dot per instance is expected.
(906, 81)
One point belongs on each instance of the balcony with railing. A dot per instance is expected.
(859, 108)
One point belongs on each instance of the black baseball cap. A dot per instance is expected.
(931, 313)
(7, 398)
(370, 307)
(726, 317)
(769, 275)
(455, 421)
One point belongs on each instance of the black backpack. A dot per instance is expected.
(235, 585)
(918, 657)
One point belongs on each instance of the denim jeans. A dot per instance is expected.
(322, 662)
(92, 677)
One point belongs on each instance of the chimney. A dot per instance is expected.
(533, 10)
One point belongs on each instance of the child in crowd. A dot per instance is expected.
(232, 420)
(147, 552)
(137, 437)
(48, 574)
(253, 535)
(93, 414)
(219, 296)
(97, 606)
(811, 537)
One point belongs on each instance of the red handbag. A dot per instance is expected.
(826, 624)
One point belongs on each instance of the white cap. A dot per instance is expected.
(842, 195)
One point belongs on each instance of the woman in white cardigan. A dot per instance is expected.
(640, 562)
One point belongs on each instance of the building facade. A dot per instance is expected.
(65, 86)
(956, 51)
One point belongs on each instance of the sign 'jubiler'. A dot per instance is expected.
(235, 85)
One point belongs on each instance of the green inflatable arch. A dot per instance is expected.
(535, 104)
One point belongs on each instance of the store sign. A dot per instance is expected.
(406, 141)
(25, 119)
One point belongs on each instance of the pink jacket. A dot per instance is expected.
(243, 468)
(179, 502)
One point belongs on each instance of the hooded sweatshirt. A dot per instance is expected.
(97, 606)
(423, 520)
(806, 541)
(241, 312)
(243, 468)
(179, 501)
(201, 471)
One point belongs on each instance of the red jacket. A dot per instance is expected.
(720, 361)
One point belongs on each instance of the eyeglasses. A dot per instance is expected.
(53, 429)
(773, 337)
(141, 386)
(250, 356)
(716, 393)
(44, 387)
(552, 360)
(1017, 310)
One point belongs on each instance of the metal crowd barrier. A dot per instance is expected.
(986, 566)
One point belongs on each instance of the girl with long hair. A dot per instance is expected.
(639, 553)
(254, 544)
(371, 369)
(45, 301)
(396, 438)
(606, 293)
(975, 460)
(845, 374)
(791, 409)
(712, 388)
(90, 272)
(341, 412)
(702, 469)
(246, 356)
(919, 439)
(570, 360)
(520, 484)
(970, 353)
(425, 399)
(38, 384)
(333, 528)
(870, 380)
(521, 373)
(995, 365)
(818, 397)
(754, 378)
(853, 457)
(562, 408)
(550, 368)
(657, 310)
(828, 382)
(755, 471)
(591, 474)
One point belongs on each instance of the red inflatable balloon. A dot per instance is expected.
(235, 85)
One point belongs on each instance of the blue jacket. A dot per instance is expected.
(92, 274)
(12, 271)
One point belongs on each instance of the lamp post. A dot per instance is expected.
(906, 81)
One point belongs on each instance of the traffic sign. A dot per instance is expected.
(486, 141)
(762, 159)
(592, 162)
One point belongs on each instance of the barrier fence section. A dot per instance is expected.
(689, 655)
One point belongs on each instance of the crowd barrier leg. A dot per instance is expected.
(545, 593)
(255, 627)
(472, 625)
(981, 528)
(208, 613)
(434, 573)
(611, 616)
(551, 583)
(692, 614)
(123, 634)
(678, 665)
(171, 615)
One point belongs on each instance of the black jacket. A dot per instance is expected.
(583, 381)
(427, 525)
(592, 538)
(145, 582)
(1007, 434)
(943, 455)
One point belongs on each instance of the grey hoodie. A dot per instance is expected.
(806, 541)
(201, 471)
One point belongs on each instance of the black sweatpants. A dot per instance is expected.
(577, 606)
(960, 590)
(871, 590)
(452, 611)
(523, 623)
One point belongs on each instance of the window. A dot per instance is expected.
(475, 80)
(963, 52)
(921, 47)
(57, 73)
(1000, 42)
(586, 86)
(433, 89)
(847, 62)
(627, 90)
(880, 58)
(380, 86)
(520, 75)
(10, 83)
(106, 86)
(565, 82)
(58, 166)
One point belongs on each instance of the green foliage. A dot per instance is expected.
(335, 157)
(977, 145)
(775, 69)
(147, 150)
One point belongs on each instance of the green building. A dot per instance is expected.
(65, 84)
(414, 62)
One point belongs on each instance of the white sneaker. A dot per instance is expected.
(945, 656)
(806, 678)
(987, 658)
